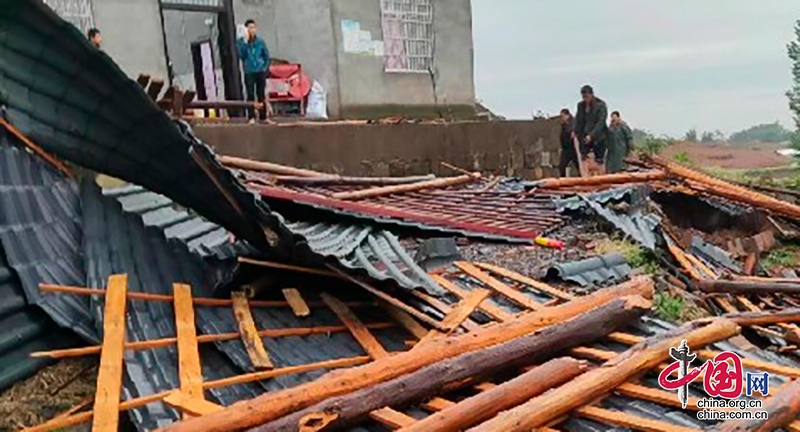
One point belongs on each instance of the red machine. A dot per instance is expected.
(287, 89)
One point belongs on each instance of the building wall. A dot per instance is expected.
(366, 87)
(528, 149)
(132, 35)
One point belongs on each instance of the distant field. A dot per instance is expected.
(740, 157)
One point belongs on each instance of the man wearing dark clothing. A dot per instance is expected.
(590, 124)
(568, 153)
(620, 144)
(255, 59)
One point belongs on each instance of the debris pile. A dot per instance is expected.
(211, 293)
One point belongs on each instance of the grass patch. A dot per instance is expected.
(637, 257)
(782, 257)
(669, 307)
(683, 158)
(783, 177)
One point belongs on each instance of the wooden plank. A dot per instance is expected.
(618, 418)
(392, 418)
(458, 315)
(192, 406)
(357, 328)
(109, 376)
(437, 404)
(516, 277)
(296, 302)
(501, 288)
(444, 308)
(155, 87)
(487, 306)
(143, 80)
(189, 368)
(407, 321)
(247, 330)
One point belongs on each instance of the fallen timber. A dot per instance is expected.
(487, 404)
(540, 411)
(782, 409)
(744, 287)
(338, 412)
(271, 406)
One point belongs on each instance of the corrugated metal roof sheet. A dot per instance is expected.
(153, 263)
(597, 270)
(41, 234)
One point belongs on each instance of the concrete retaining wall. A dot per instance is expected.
(528, 149)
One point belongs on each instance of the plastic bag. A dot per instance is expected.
(317, 102)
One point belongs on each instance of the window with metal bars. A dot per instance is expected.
(407, 35)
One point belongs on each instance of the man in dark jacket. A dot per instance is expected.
(255, 59)
(620, 144)
(590, 124)
(568, 153)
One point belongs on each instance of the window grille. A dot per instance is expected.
(407, 35)
(76, 12)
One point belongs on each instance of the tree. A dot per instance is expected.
(765, 133)
(707, 137)
(691, 135)
(794, 94)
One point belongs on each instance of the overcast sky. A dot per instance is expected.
(667, 65)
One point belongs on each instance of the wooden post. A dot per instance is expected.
(431, 379)
(189, 368)
(357, 328)
(247, 329)
(410, 187)
(539, 411)
(783, 408)
(109, 377)
(502, 397)
(273, 405)
(296, 302)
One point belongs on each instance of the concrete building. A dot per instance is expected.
(372, 57)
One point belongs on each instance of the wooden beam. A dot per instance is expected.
(248, 164)
(584, 389)
(247, 330)
(143, 80)
(486, 405)
(274, 405)
(367, 341)
(109, 377)
(392, 418)
(198, 301)
(289, 267)
(458, 315)
(503, 289)
(166, 342)
(52, 160)
(155, 87)
(487, 306)
(634, 422)
(533, 283)
(189, 368)
(191, 406)
(410, 187)
(435, 378)
(444, 308)
(296, 302)
(76, 419)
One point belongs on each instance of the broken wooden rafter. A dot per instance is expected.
(76, 419)
(405, 320)
(745, 287)
(52, 160)
(433, 378)
(445, 309)
(166, 342)
(253, 343)
(458, 314)
(386, 416)
(404, 188)
(248, 164)
(274, 405)
(193, 406)
(539, 411)
(296, 302)
(487, 404)
(189, 367)
(487, 306)
(109, 376)
(336, 180)
(359, 331)
(499, 287)
(516, 277)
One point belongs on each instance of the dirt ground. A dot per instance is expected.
(725, 156)
(52, 391)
